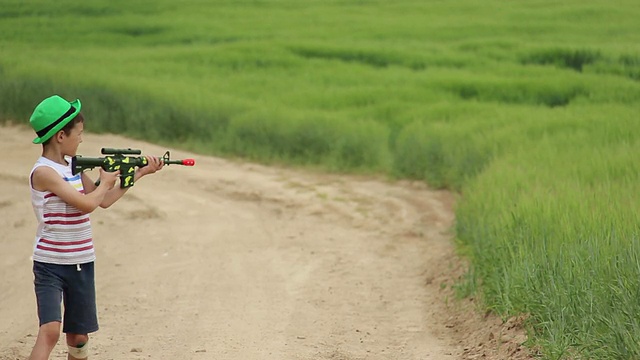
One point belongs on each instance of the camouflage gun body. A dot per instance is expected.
(120, 159)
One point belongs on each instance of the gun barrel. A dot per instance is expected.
(185, 162)
(127, 151)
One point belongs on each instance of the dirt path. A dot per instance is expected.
(231, 260)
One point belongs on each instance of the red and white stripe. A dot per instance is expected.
(64, 233)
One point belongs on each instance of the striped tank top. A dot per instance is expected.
(64, 234)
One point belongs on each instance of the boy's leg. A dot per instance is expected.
(80, 314)
(48, 336)
(78, 346)
(48, 287)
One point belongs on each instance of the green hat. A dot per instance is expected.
(51, 115)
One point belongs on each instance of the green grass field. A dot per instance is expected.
(529, 110)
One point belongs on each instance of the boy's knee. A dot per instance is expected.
(76, 340)
(78, 346)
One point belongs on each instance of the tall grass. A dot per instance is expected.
(553, 231)
(528, 109)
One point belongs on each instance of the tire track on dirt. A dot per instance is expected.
(231, 260)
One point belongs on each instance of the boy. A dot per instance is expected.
(63, 256)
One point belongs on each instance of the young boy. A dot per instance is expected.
(63, 256)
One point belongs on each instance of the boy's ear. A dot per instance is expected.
(59, 135)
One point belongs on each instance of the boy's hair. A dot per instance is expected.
(67, 128)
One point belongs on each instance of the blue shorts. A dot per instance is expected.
(57, 284)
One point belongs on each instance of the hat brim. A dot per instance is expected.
(77, 105)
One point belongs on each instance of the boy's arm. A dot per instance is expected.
(46, 179)
(113, 195)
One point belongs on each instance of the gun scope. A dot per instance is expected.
(127, 151)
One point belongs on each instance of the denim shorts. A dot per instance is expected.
(71, 285)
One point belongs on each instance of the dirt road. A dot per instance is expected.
(231, 260)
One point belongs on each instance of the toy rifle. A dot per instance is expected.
(117, 159)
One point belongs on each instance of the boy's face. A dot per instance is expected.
(71, 142)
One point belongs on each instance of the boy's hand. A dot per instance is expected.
(153, 164)
(109, 178)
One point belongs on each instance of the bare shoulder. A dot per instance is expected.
(43, 177)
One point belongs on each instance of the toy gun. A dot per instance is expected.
(117, 159)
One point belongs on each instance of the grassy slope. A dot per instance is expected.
(529, 110)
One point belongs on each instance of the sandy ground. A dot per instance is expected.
(233, 260)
